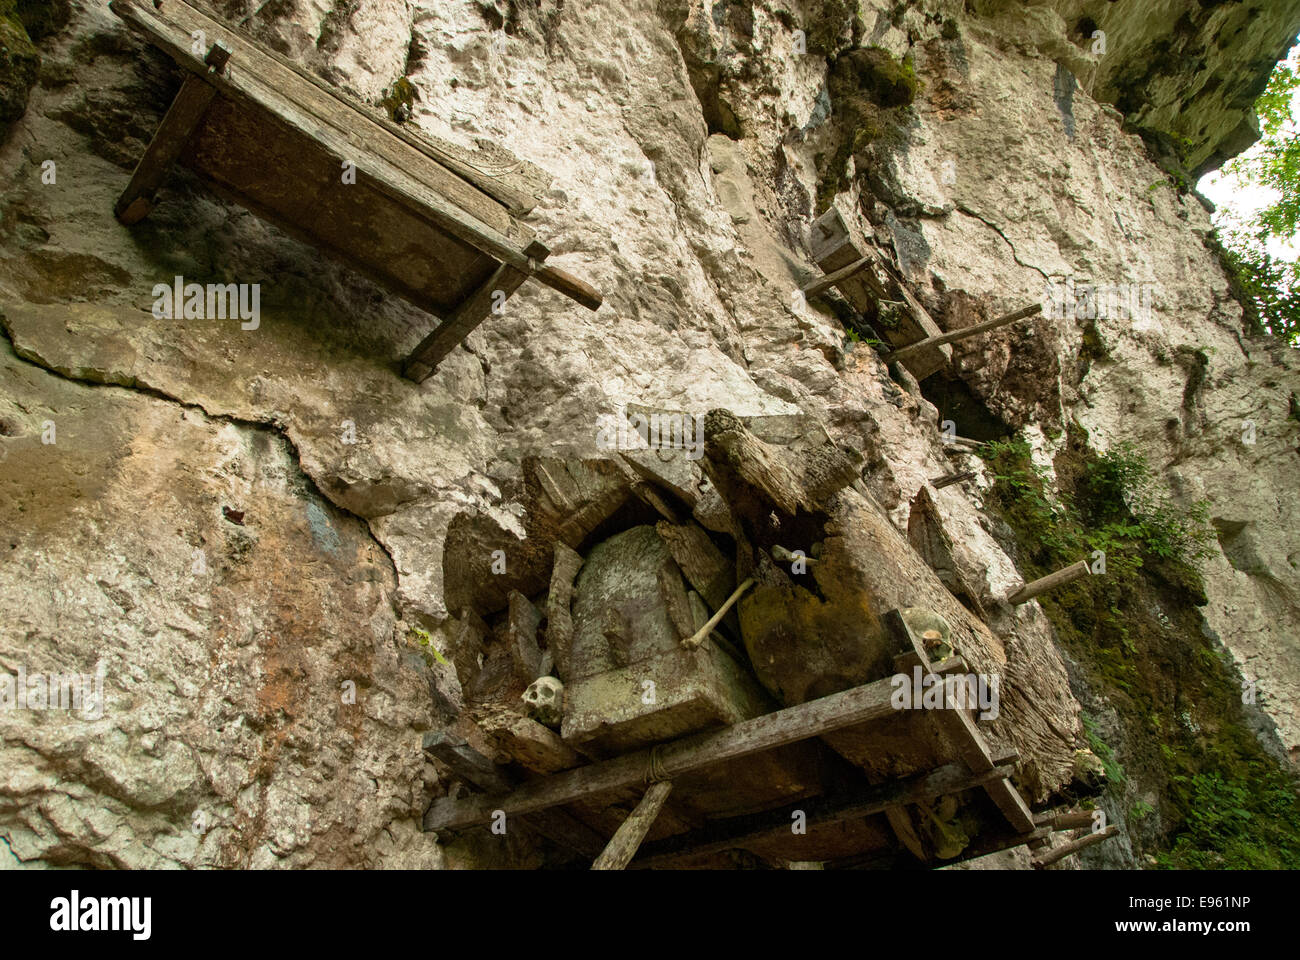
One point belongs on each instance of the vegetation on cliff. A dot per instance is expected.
(1142, 649)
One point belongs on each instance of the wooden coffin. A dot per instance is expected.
(426, 219)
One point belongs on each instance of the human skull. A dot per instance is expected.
(933, 630)
(545, 701)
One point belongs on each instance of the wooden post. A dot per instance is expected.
(623, 845)
(1058, 579)
(1071, 820)
(1074, 846)
(902, 353)
(181, 120)
(449, 334)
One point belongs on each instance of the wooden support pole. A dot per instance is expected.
(627, 839)
(864, 704)
(181, 120)
(820, 286)
(575, 288)
(902, 353)
(863, 801)
(1058, 579)
(449, 334)
(946, 481)
(1074, 846)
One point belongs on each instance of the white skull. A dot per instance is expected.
(545, 701)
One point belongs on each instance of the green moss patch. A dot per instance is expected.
(1143, 650)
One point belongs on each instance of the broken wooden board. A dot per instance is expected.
(836, 247)
(412, 217)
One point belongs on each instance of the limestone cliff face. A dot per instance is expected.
(241, 523)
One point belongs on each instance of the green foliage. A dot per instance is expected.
(1114, 509)
(1137, 640)
(1102, 751)
(425, 642)
(1236, 824)
(1269, 286)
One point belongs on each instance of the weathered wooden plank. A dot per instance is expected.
(818, 287)
(449, 334)
(1060, 578)
(864, 801)
(469, 765)
(623, 845)
(182, 117)
(559, 614)
(1070, 820)
(389, 177)
(705, 566)
(522, 622)
(435, 163)
(902, 353)
(961, 730)
(863, 704)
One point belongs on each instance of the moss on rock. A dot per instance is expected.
(19, 65)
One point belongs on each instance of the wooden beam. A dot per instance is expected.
(623, 845)
(833, 278)
(902, 353)
(1070, 820)
(467, 764)
(449, 334)
(862, 801)
(1060, 578)
(864, 704)
(952, 478)
(961, 730)
(1074, 846)
(181, 120)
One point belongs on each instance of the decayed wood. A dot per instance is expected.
(863, 801)
(705, 566)
(559, 615)
(961, 730)
(472, 767)
(864, 704)
(435, 162)
(1074, 846)
(702, 634)
(534, 747)
(522, 621)
(1060, 578)
(902, 353)
(449, 334)
(181, 119)
(900, 821)
(623, 845)
(1071, 820)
